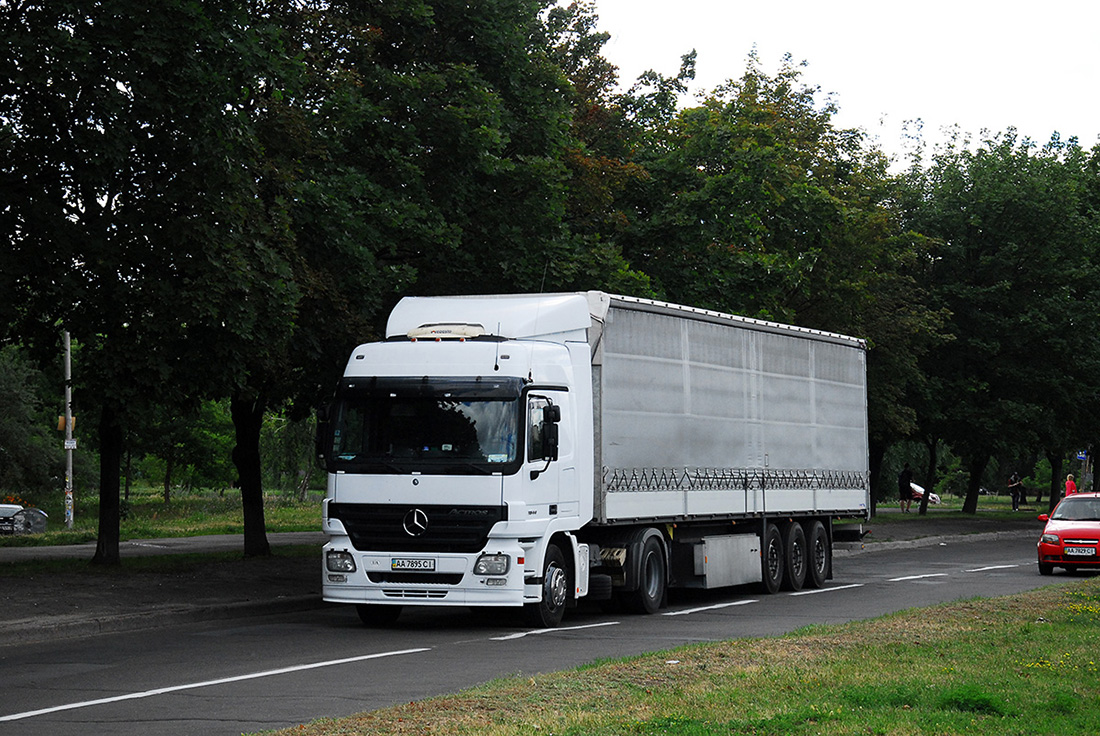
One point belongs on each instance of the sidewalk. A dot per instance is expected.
(49, 605)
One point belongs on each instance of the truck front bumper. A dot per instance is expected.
(425, 579)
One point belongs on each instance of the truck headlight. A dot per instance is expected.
(340, 562)
(1050, 539)
(491, 565)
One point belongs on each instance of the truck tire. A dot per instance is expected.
(547, 613)
(374, 615)
(795, 557)
(652, 578)
(819, 555)
(771, 559)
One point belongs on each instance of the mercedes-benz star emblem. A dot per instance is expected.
(415, 523)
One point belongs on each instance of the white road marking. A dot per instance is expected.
(827, 590)
(991, 567)
(208, 683)
(708, 608)
(522, 634)
(918, 577)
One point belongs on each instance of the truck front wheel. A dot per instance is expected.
(548, 612)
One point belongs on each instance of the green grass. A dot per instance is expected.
(145, 516)
(1022, 664)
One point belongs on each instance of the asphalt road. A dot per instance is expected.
(268, 672)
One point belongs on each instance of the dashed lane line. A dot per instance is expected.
(207, 683)
(828, 590)
(686, 611)
(560, 630)
(918, 577)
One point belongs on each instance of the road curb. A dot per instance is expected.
(932, 541)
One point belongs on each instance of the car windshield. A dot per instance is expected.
(427, 426)
(1078, 509)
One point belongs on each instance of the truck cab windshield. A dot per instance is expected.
(427, 426)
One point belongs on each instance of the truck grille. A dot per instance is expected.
(385, 528)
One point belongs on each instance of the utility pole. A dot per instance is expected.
(70, 443)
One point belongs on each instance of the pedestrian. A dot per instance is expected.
(1071, 487)
(905, 488)
(1015, 489)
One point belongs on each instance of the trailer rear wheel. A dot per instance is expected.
(548, 612)
(794, 557)
(652, 578)
(771, 559)
(819, 555)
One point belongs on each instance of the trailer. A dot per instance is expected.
(540, 450)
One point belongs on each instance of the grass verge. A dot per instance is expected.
(146, 516)
(1021, 664)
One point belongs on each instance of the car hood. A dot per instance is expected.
(1060, 527)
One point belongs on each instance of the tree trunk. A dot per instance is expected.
(169, 463)
(1056, 479)
(303, 485)
(110, 466)
(930, 477)
(129, 470)
(248, 417)
(877, 453)
(974, 483)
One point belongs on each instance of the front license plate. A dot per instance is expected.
(1081, 551)
(405, 563)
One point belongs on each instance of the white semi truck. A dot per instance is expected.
(538, 450)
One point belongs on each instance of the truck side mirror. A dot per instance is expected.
(550, 440)
(548, 430)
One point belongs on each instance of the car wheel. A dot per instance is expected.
(1045, 568)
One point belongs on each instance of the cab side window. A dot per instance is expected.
(536, 407)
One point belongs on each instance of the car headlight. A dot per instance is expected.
(340, 562)
(491, 565)
(1050, 539)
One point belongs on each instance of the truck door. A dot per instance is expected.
(544, 453)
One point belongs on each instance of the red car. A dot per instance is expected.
(1071, 534)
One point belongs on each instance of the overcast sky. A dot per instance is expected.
(974, 63)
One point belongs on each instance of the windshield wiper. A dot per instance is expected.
(479, 467)
(386, 464)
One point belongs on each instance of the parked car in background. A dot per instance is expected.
(16, 519)
(918, 494)
(1071, 535)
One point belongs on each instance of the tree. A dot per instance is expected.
(29, 460)
(599, 155)
(133, 213)
(1015, 269)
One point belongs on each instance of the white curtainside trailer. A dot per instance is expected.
(537, 450)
